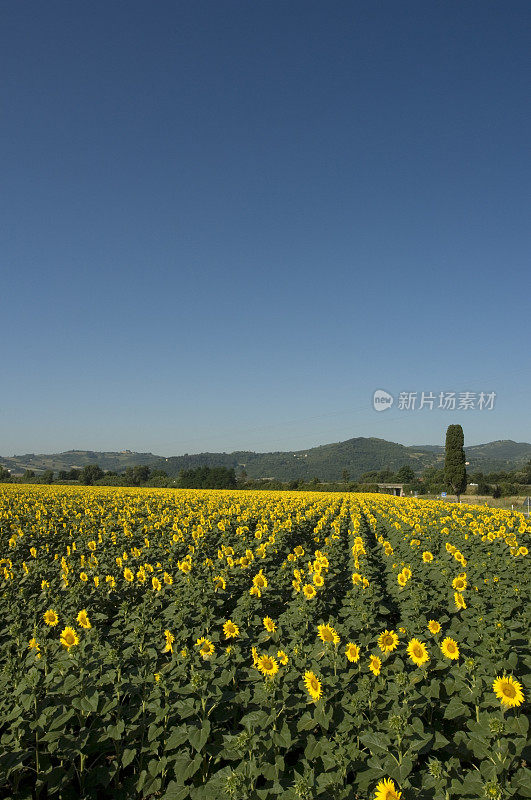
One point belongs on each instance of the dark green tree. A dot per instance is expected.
(454, 462)
(345, 475)
(405, 475)
(90, 474)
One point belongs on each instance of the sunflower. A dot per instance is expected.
(219, 583)
(282, 657)
(83, 577)
(254, 653)
(508, 691)
(299, 551)
(267, 665)
(388, 641)
(417, 652)
(69, 638)
(230, 629)
(459, 601)
(375, 665)
(327, 634)
(206, 648)
(156, 584)
(309, 591)
(318, 579)
(313, 686)
(427, 557)
(128, 575)
(352, 652)
(385, 790)
(170, 638)
(459, 583)
(269, 625)
(34, 645)
(50, 617)
(402, 580)
(449, 648)
(434, 626)
(260, 581)
(356, 579)
(83, 619)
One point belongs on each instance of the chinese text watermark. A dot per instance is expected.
(445, 401)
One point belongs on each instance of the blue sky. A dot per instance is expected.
(225, 224)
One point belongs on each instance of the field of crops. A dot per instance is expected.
(189, 644)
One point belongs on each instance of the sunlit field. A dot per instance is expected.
(210, 644)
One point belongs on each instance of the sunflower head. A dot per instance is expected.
(313, 686)
(69, 638)
(231, 630)
(388, 641)
(508, 691)
(417, 652)
(450, 648)
(83, 619)
(386, 790)
(352, 652)
(267, 665)
(327, 634)
(50, 617)
(375, 665)
(434, 626)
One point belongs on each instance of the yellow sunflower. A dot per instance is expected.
(206, 648)
(269, 625)
(417, 652)
(50, 617)
(219, 583)
(459, 583)
(83, 619)
(427, 557)
(434, 626)
(231, 630)
(327, 634)
(267, 665)
(388, 641)
(449, 648)
(69, 638)
(459, 601)
(375, 665)
(313, 686)
(170, 638)
(352, 652)
(508, 691)
(309, 591)
(282, 657)
(386, 790)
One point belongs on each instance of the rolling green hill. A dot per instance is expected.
(326, 462)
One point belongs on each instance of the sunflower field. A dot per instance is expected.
(220, 644)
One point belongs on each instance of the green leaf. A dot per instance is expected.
(198, 736)
(177, 738)
(376, 742)
(127, 756)
(455, 708)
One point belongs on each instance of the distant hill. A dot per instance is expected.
(325, 462)
(76, 459)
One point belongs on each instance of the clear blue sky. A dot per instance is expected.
(224, 224)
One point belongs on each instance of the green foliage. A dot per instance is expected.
(454, 462)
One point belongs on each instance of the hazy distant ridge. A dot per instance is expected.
(327, 462)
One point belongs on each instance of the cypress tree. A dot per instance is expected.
(454, 462)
